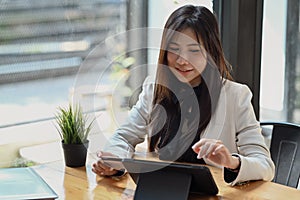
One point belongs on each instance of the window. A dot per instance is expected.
(280, 69)
(43, 44)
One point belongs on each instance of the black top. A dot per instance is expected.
(183, 129)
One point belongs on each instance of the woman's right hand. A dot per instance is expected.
(100, 168)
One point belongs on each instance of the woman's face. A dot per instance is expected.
(186, 57)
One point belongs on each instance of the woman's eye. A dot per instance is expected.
(173, 49)
(194, 50)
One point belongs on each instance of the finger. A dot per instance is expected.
(104, 165)
(99, 154)
(196, 150)
(203, 150)
(211, 149)
(110, 173)
(100, 168)
(218, 149)
(196, 147)
(199, 143)
(97, 170)
(103, 172)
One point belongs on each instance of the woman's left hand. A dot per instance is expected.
(101, 168)
(215, 151)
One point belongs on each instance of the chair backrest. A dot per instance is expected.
(285, 152)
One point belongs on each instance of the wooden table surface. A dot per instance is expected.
(82, 183)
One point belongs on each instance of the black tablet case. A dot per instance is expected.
(164, 180)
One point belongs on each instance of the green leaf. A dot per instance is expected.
(72, 125)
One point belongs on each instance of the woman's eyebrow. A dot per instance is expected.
(194, 44)
(191, 44)
(174, 43)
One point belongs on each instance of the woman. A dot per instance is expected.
(194, 112)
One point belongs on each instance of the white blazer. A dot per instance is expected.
(234, 123)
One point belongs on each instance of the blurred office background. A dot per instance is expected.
(44, 45)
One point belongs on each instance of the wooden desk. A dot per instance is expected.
(82, 183)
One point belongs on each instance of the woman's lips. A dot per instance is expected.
(184, 71)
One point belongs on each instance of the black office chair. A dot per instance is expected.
(285, 152)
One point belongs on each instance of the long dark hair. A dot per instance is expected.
(205, 26)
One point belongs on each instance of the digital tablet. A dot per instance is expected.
(199, 181)
(24, 183)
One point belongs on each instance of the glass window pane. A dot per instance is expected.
(43, 44)
(273, 62)
(279, 95)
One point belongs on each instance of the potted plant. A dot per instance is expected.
(73, 128)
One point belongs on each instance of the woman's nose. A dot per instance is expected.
(181, 60)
